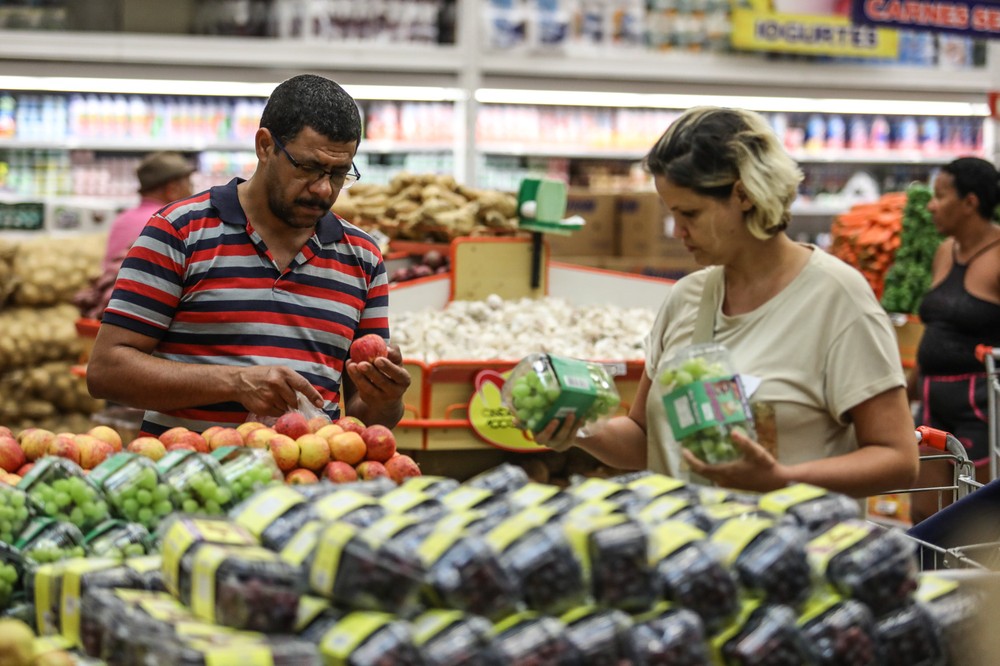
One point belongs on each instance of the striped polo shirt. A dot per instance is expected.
(200, 280)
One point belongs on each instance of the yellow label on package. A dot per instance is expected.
(934, 587)
(71, 593)
(533, 494)
(578, 536)
(337, 505)
(574, 615)
(731, 630)
(424, 483)
(165, 609)
(437, 544)
(45, 578)
(735, 535)
(387, 528)
(510, 530)
(590, 509)
(836, 540)
(669, 537)
(662, 509)
(310, 608)
(235, 655)
(513, 620)
(144, 564)
(810, 34)
(656, 485)
(332, 541)
(432, 623)
(300, 546)
(596, 489)
(184, 533)
(267, 507)
(780, 501)
(466, 497)
(343, 638)
(206, 564)
(822, 599)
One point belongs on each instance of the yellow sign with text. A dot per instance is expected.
(811, 34)
(492, 421)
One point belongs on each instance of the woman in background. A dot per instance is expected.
(961, 310)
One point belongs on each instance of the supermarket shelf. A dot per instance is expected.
(743, 74)
(197, 145)
(818, 209)
(878, 157)
(245, 53)
(78, 201)
(569, 151)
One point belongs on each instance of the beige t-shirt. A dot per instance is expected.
(822, 346)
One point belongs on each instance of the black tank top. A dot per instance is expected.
(955, 323)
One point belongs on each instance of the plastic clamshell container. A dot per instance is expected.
(12, 572)
(356, 570)
(769, 559)
(689, 572)
(869, 563)
(911, 636)
(499, 480)
(451, 638)
(272, 515)
(956, 606)
(134, 489)
(197, 482)
(117, 538)
(62, 491)
(364, 638)
(536, 551)
(669, 635)
(814, 509)
(246, 471)
(839, 631)
(544, 387)
(599, 635)
(704, 401)
(16, 511)
(47, 540)
(244, 587)
(80, 576)
(464, 572)
(764, 635)
(614, 552)
(435, 486)
(183, 535)
(529, 638)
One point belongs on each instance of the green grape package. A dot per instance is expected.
(197, 482)
(247, 470)
(116, 538)
(705, 401)
(45, 540)
(545, 387)
(63, 492)
(134, 488)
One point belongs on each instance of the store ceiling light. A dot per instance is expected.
(211, 88)
(775, 104)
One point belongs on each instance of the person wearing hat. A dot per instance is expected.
(163, 177)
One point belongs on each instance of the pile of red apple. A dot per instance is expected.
(303, 449)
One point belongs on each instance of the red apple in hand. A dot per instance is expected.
(380, 443)
(368, 348)
(350, 424)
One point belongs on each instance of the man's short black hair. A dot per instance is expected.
(312, 101)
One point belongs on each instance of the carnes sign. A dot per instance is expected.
(978, 19)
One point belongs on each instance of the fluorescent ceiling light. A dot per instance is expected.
(786, 104)
(211, 88)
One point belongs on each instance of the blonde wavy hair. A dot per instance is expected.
(708, 149)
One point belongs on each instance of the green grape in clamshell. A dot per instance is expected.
(16, 509)
(197, 482)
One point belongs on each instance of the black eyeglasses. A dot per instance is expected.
(313, 174)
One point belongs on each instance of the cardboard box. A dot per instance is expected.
(643, 222)
(599, 236)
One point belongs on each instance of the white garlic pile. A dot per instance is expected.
(509, 330)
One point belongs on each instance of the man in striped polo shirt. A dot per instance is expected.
(235, 300)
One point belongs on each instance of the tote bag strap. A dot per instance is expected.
(704, 325)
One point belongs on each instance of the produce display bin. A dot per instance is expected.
(437, 403)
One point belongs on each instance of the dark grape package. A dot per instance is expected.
(614, 550)
(364, 638)
(769, 559)
(872, 564)
(689, 572)
(956, 606)
(452, 638)
(839, 631)
(910, 636)
(501, 479)
(764, 635)
(464, 572)
(183, 535)
(669, 636)
(595, 489)
(535, 550)
(359, 571)
(282, 508)
(599, 636)
(529, 639)
(814, 509)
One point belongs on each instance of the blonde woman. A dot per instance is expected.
(831, 402)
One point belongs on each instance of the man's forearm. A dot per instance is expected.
(142, 381)
(387, 415)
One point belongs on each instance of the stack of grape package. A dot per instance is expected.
(638, 569)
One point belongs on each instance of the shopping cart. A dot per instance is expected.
(989, 357)
(965, 534)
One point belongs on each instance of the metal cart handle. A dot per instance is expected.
(942, 441)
